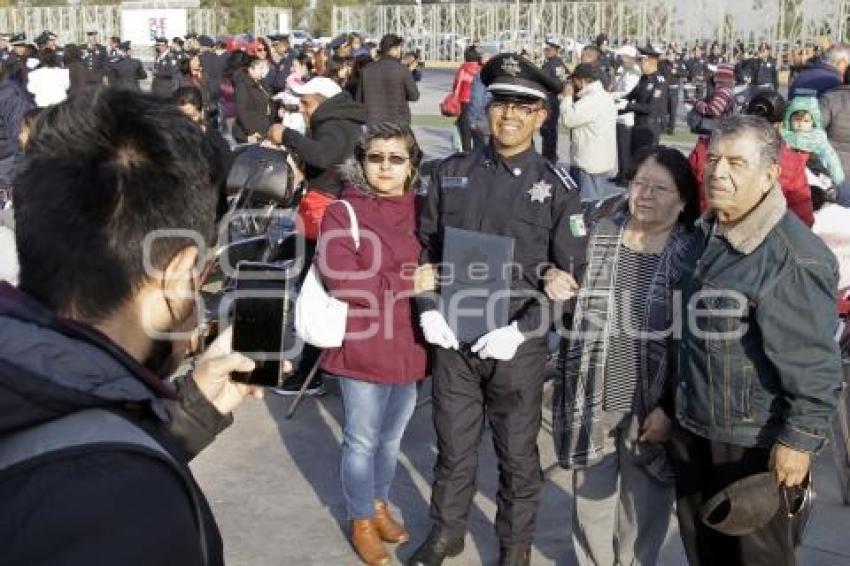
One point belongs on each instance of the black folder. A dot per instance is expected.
(476, 280)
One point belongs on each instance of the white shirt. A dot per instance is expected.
(831, 223)
(592, 121)
(627, 80)
(49, 85)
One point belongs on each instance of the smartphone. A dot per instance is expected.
(262, 307)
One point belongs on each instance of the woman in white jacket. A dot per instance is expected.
(49, 83)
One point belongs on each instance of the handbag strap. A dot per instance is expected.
(355, 227)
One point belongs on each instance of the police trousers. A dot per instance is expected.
(511, 394)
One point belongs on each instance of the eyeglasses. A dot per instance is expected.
(522, 109)
(380, 158)
(641, 185)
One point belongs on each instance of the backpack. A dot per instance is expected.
(91, 427)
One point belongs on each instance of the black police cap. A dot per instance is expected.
(649, 50)
(206, 41)
(125, 45)
(512, 75)
(18, 39)
(161, 41)
(275, 37)
(91, 33)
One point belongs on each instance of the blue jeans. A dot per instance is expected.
(591, 187)
(375, 418)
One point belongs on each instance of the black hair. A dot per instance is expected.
(188, 95)
(471, 54)
(333, 66)
(389, 41)
(846, 77)
(71, 54)
(388, 131)
(675, 162)
(102, 174)
(186, 63)
(49, 58)
(305, 60)
(767, 104)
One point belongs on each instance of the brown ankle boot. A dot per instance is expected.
(388, 528)
(367, 543)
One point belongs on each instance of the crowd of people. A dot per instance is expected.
(719, 410)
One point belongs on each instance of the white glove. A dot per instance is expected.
(500, 344)
(437, 331)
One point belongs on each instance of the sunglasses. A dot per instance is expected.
(380, 158)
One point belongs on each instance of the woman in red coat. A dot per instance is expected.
(382, 357)
(463, 86)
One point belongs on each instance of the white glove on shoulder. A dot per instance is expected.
(437, 330)
(500, 344)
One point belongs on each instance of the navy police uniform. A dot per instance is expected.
(766, 73)
(95, 60)
(125, 72)
(166, 71)
(674, 72)
(555, 68)
(649, 101)
(536, 203)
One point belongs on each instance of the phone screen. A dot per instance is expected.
(262, 307)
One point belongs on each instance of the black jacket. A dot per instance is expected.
(386, 86)
(253, 108)
(648, 100)
(125, 73)
(95, 504)
(335, 129)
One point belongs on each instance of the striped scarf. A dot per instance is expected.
(577, 411)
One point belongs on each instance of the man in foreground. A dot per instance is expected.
(111, 233)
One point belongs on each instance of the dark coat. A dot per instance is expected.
(96, 505)
(14, 103)
(125, 73)
(253, 108)
(818, 76)
(335, 128)
(213, 67)
(386, 86)
(392, 222)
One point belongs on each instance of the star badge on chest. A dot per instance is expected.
(540, 191)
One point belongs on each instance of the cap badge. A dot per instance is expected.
(511, 66)
(540, 191)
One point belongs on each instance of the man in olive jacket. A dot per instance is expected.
(759, 369)
(386, 86)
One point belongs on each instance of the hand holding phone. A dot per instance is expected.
(213, 374)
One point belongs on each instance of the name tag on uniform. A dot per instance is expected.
(454, 182)
(577, 225)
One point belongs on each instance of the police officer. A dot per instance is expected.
(766, 73)
(282, 56)
(166, 69)
(94, 59)
(214, 67)
(4, 47)
(698, 72)
(648, 100)
(674, 72)
(124, 71)
(17, 60)
(504, 189)
(555, 68)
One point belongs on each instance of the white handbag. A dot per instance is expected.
(319, 318)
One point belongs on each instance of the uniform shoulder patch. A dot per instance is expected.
(563, 176)
(661, 79)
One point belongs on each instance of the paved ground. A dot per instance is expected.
(274, 483)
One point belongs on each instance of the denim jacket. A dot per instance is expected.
(758, 363)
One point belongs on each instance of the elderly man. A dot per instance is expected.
(835, 114)
(759, 368)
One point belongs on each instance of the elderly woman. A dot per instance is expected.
(381, 358)
(608, 420)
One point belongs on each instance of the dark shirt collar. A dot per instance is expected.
(521, 160)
